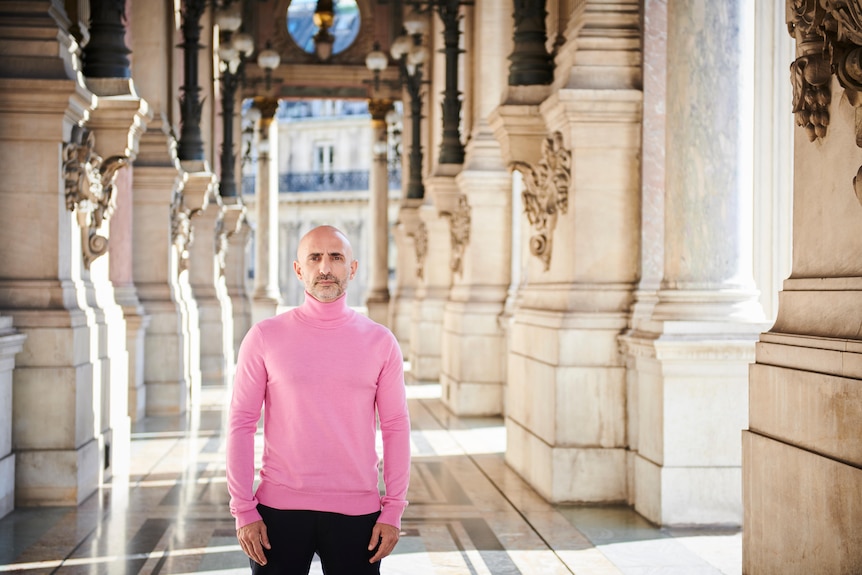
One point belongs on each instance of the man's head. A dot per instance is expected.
(324, 263)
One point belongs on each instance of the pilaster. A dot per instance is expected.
(236, 232)
(11, 343)
(474, 347)
(581, 207)
(209, 289)
(802, 458)
(436, 275)
(117, 123)
(411, 244)
(160, 234)
(42, 287)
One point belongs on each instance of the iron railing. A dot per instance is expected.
(353, 180)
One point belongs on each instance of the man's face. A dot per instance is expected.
(325, 263)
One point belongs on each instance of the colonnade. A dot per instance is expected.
(582, 262)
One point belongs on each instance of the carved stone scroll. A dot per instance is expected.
(828, 37)
(420, 241)
(89, 183)
(546, 193)
(181, 230)
(459, 232)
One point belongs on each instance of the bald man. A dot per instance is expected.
(324, 375)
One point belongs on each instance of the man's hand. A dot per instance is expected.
(387, 536)
(253, 538)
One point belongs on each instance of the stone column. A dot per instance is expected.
(565, 402)
(410, 259)
(802, 457)
(474, 346)
(117, 123)
(266, 296)
(160, 227)
(215, 312)
(42, 288)
(692, 361)
(377, 300)
(652, 171)
(11, 342)
(235, 271)
(432, 292)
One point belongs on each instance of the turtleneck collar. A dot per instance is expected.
(325, 314)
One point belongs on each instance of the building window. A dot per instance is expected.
(324, 160)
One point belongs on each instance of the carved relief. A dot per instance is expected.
(420, 241)
(459, 232)
(546, 193)
(89, 183)
(181, 230)
(222, 237)
(828, 37)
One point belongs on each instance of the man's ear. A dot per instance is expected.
(297, 269)
(353, 265)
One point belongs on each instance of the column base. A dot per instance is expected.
(377, 304)
(801, 510)
(264, 307)
(566, 474)
(688, 495)
(167, 387)
(48, 477)
(425, 339)
(7, 484)
(474, 355)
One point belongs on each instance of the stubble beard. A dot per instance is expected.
(329, 292)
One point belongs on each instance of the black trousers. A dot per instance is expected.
(341, 542)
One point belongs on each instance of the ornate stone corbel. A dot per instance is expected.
(181, 230)
(89, 183)
(459, 232)
(420, 242)
(546, 193)
(828, 40)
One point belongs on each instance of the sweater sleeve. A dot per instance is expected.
(249, 390)
(395, 429)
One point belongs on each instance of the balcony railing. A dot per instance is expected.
(354, 180)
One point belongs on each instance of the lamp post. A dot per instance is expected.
(232, 52)
(191, 144)
(324, 18)
(408, 51)
(268, 60)
(451, 148)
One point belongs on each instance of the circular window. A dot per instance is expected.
(301, 26)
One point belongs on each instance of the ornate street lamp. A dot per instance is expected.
(324, 18)
(233, 51)
(268, 60)
(451, 148)
(407, 50)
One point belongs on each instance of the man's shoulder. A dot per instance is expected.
(276, 322)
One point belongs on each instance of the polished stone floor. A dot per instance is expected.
(469, 514)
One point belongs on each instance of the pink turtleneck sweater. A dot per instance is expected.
(319, 371)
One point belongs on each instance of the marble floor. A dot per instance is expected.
(469, 513)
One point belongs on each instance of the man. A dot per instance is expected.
(322, 372)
